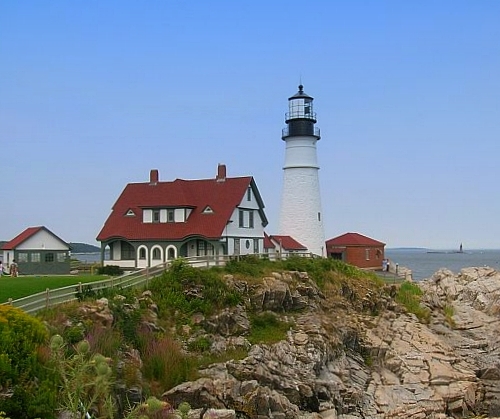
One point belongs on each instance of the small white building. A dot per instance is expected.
(37, 251)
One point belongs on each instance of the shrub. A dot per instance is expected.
(201, 344)
(20, 337)
(23, 364)
(248, 265)
(112, 270)
(85, 292)
(85, 379)
(185, 290)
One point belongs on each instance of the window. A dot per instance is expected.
(142, 253)
(236, 246)
(208, 210)
(256, 245)
(246, 219)
(61, 256)
(156, 216)
(201, 248)
(22, 257)
(319, 216)
(127, 251)
(367, 254)
(35, 257)
(170, 216)
(156, 253)
(249, 193)
(307, 107)
(247, 244)
(210, 249)
(49, 257)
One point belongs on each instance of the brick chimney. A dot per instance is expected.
(153, 176)
(221, 173)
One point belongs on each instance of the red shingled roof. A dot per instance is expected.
(353, 239)
(287, 243)
(25, 235)
(16, 241)
(221, 196)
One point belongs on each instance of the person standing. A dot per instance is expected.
(13, 268)
(388, 265)
(1, 268)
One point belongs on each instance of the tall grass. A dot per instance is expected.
(164, 363)
(409, 295)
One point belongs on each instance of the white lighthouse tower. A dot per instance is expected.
(301, 215)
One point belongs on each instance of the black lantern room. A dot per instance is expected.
(300, 117)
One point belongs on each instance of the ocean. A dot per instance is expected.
(425, 262)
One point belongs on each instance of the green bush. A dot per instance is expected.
(23, 364)
(85, 293)
(184, 290)
(20, 337)
(248, 265)
(111, 270)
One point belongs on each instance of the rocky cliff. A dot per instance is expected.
(352, 352)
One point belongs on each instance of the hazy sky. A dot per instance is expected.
(94, 94)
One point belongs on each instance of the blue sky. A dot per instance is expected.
(94, 94)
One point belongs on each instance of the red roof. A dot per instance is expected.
(353, 239)
(25, 235)
(222, 196)
(285, 242)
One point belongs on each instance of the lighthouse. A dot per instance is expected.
(301, 215)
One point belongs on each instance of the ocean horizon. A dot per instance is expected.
(425, 262)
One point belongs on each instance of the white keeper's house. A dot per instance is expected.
(154, 222)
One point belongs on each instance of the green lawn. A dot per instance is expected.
(23, 286)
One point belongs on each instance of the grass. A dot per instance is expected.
(267, 328)
(409, 295)
(23, 286)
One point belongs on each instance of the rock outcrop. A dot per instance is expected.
(356, 354)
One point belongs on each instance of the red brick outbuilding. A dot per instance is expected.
(356, 249)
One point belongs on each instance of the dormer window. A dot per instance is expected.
(208, 210)
(170, 216)
(156, 216)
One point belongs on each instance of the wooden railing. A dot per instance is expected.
(49, 298)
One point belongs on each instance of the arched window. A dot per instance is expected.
(142, 253)
(156, 253)
(171, 253)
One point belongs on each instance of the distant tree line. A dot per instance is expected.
(84, 248)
